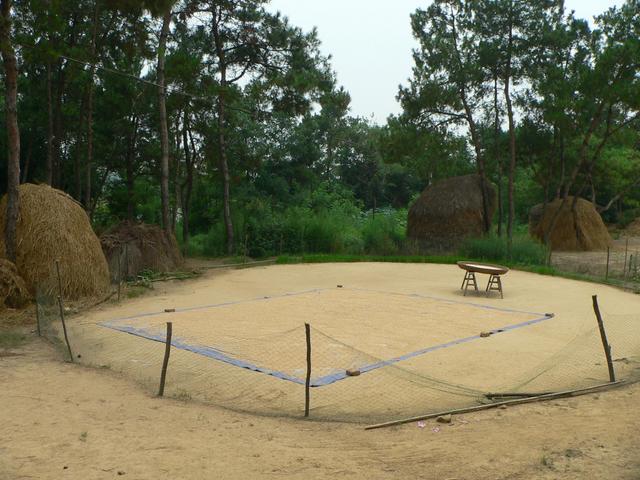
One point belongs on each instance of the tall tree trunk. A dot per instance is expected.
(56, 179)
(27, 164)
(475, 139)
(89, 165)
(130, 169)
(13, 131)
(512, 138)
(50, 134)
(77, 169)
(188, 183)
(164, 129)
(222, 141)
(496, 151)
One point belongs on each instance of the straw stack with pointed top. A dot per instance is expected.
(53, 226)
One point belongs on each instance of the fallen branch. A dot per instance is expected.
(550, 396)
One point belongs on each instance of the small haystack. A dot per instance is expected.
(579, 229)
(449, 211)
(138, 247)
(53, 226)
(13, 291)
(633, 229)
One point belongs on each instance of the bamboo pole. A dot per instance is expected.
(59, 279)
(519, 401)
(64, 328)
(603, 336)
(38, 318)
(119, 272)
(307, 383)
(165, 362)
(626, 252)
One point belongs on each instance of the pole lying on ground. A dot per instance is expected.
(64, 328)
(165, 363)
(603, 336)
(307, 383)
(519, 401)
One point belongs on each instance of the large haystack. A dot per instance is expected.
(449, 211)
(52, 226)
(138, 247)
(13, 291)
(578, 229)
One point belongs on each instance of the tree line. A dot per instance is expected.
(221, 115)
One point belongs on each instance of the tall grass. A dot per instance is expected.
(524, 250)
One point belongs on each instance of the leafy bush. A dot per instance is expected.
(524, 250)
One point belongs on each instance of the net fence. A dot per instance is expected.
(428, 356)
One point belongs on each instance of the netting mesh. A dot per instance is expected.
(429, 356)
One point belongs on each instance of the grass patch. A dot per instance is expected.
(12, 339)
(340, 258)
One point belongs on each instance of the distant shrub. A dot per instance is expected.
(524, 250)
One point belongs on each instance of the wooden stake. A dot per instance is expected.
(119, 273)
(38, 318)
(606, 275)
(519, 401)
(64, 327)
(603, 336)
(307, 383)
(59, 279)
(165, 363)
(626, 251)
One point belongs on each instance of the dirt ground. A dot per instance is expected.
(68, 421)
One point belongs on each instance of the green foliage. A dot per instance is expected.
(524, 250)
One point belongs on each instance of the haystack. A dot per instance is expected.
(53, 226)
(578, 229)
(13, 291)
(449, 211)
(633, 229)
(138, 247)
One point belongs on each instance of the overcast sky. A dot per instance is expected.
(370, 43)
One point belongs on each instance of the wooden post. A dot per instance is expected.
(165, 363)
(126, 259)
(626, 251)
(606, 275)
(64, 327)
(38, 318)
(603, 336)
(119, 272)
(307, 383)
(59, 279)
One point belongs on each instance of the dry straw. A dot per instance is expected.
(449, 211)
(13, 289)
(139, 246)
(575, 230)
(53, 226)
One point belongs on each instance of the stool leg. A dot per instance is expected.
(471, 278)
(500, 287)
(464, 281)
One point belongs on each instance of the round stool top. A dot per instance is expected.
(483, 268)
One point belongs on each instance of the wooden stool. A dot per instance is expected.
(494, 284)
(469, 279)
(494, 272)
